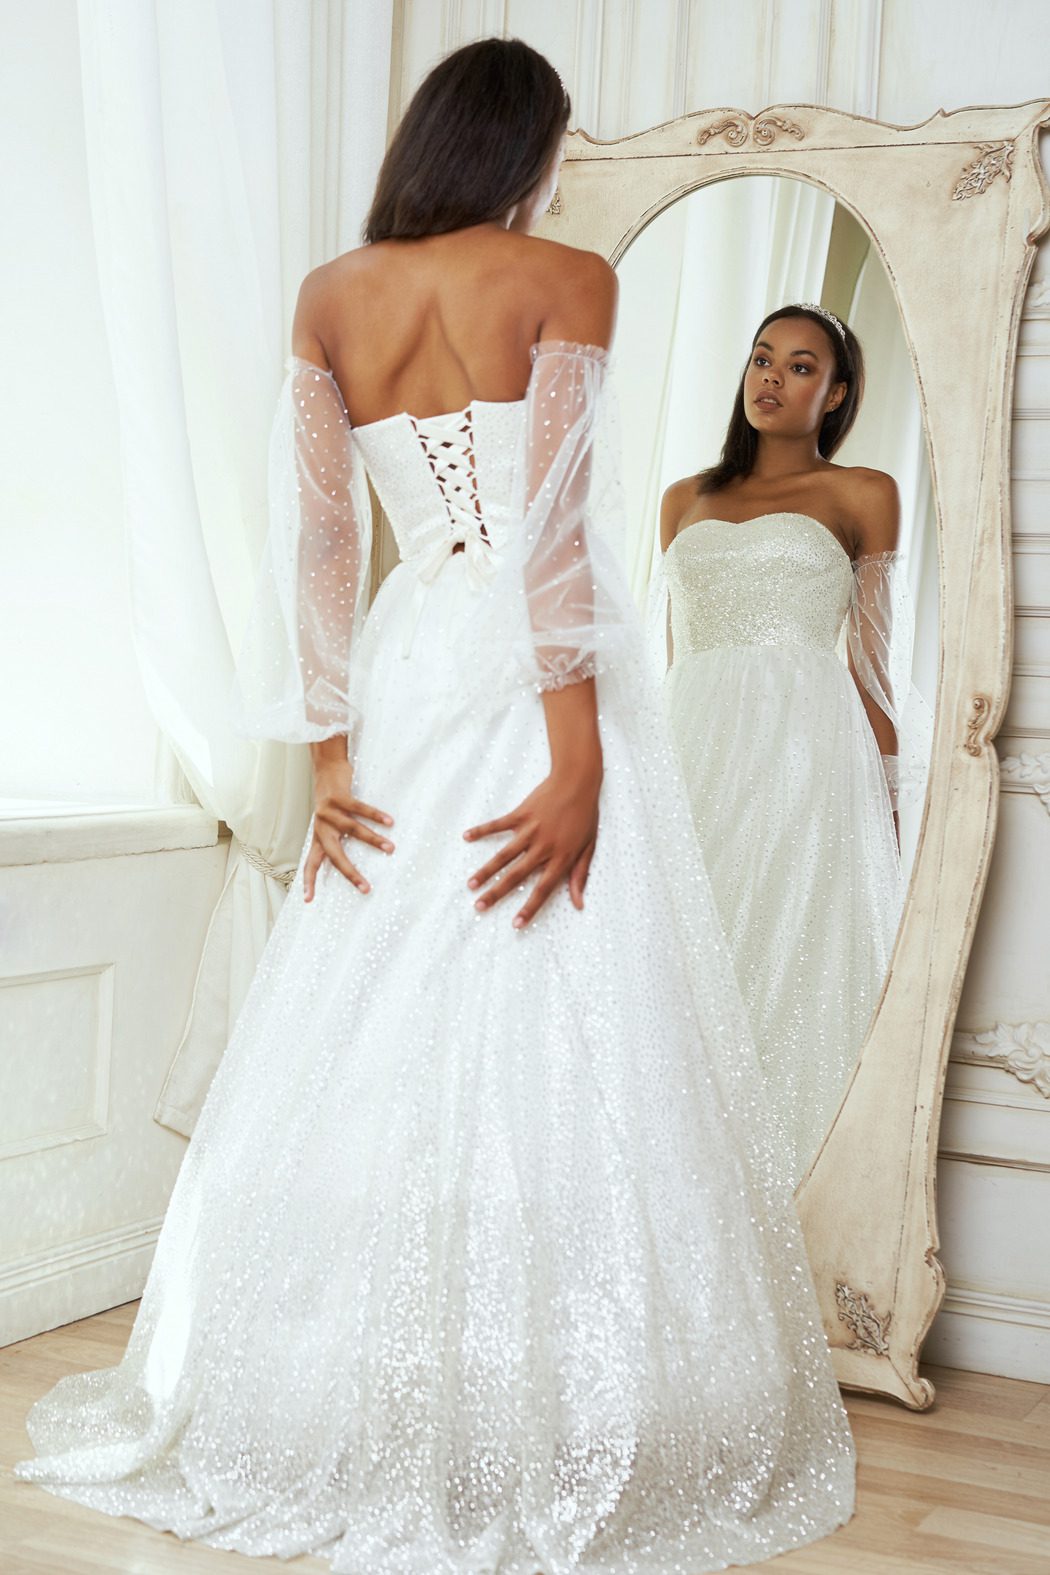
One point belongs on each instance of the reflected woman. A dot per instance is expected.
(782, 569)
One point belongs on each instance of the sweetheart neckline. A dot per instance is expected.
(772, 514)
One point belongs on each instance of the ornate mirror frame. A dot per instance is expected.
(954, 207)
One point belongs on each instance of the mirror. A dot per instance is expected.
(952, 209)
(784, 771)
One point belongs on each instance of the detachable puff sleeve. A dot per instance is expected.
(292, 679)
(563, 589)
(558, 610)
(880, 630)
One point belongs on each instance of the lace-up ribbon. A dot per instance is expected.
(448, 442)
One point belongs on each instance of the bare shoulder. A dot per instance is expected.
(870, 504)
(568, 263)
(580, 290)
(673, 506)
(350, 270)
(322, 294)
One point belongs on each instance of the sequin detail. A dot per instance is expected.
(480, 1260)
(788, 796)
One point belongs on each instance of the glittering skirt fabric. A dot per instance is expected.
(789, 799)
(477, 1260)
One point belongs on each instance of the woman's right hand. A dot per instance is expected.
(336, 813)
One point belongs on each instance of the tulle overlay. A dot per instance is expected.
(482, 1257)
(788, 790)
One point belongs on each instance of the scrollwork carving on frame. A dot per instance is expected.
(980, 707)
(762, 129)
(993, 161)
(858, 1314)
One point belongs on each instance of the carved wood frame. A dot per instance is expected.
(954, 207)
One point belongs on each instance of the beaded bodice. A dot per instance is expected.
(777, 579)
(444, 481)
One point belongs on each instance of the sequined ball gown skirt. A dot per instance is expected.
(467, 1267)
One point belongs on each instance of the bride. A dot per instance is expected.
(791, 748)
(482, 1256)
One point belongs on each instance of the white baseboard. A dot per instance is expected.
(983, 1332)
(74, 1281)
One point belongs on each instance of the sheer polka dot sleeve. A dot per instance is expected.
(559, 610)
(880, 630)
(292, 678)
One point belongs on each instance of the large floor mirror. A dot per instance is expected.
(802, 895)
(921, 239)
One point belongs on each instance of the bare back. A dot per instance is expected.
(427, 325)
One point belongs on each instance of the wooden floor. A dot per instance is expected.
(964, 1487)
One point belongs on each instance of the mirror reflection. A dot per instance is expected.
(783, 538)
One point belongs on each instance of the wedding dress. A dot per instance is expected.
(481, 1257)
(791, 800)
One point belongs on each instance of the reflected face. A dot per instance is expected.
(788, 385)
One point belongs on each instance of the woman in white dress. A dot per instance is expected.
(790, 650)
(480, 1257)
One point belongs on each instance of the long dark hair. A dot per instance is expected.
(740, 448)
(480, 131)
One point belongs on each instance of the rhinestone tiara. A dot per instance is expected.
(822, 311)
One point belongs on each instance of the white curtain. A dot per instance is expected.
(699, 280)
(230, 149)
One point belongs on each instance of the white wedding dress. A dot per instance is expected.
(791, 799)
(480, 1258)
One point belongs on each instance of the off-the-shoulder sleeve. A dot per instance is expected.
(571, 608)
(558, 609)
(880, 630)
(292, 680)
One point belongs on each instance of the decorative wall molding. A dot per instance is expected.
(1027, 774)
(1020, 1048)
(1037, 301)
(64, 1018)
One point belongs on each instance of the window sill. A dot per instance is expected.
(58, 834)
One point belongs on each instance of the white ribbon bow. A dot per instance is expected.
(429, 560)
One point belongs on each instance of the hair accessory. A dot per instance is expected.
(822, 311)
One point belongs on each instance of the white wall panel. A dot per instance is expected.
(97, 962)
(945, 54)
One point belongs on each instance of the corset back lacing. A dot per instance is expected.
(448, 443)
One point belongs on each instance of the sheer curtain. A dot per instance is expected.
(230, 149)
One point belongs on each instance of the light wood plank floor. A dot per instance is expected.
(963, 1488)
